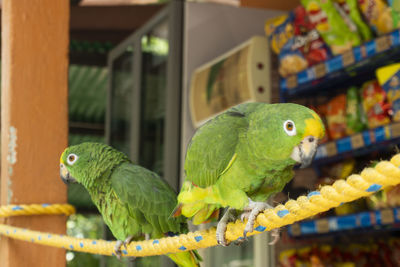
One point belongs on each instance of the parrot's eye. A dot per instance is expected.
(289, 127)
(72, 158)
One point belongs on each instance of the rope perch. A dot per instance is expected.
(371, 180)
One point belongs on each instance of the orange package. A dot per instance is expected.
(336, 117)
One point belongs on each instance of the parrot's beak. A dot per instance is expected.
(65, 176)
(304, 153)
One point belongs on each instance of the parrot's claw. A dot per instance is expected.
(275, 233)
(221, 227)
(118, 245)
(250, 213)
(117, 249)
(127, 241)
(245, 215)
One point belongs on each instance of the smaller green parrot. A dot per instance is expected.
(135, 202)
(242, 157)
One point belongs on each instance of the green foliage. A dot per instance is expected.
(89, 226)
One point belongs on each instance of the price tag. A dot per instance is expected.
(382, 43)
(348, 58)
(331, 149)
(357, 141)
(296, 230)
(387, 216)
(291, 81)
(395, 127)
(322, 225)
(320, 70)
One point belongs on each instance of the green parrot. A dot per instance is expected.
(242, 157)
(133, 201)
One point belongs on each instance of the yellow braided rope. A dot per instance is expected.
(370, 180)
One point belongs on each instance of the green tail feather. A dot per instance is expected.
(186, 259)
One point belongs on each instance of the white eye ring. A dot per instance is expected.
(289, 127)
(72, 158)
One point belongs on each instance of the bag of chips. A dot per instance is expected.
(307, 38)
(355, 119)
(378, 15)
(336, 117)
(395, 12)
(350, 12)
(389, 79)
(281, 36)
(328, 22)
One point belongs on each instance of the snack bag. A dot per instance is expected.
(336, 117)
(281, 36)
(375, 104)
(350, 11)
(287, 258)
(389, 79)
(378, 15)
(355, 121)
(307, 38)
(395, 12)
(331, 26)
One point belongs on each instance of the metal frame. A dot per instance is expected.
(174, 13)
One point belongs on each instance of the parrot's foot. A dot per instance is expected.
(117, 249)
(250, 213)
(275, 233)
(221, 227)
(118, 245)
(127, 241)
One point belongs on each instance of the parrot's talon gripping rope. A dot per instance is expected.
(117, 249)
(275, 233)
(250, 213)
(371, 180)
(222, 225)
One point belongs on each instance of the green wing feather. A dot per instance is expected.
(144, 191)
(212, 148)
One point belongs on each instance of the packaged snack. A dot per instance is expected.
(389, 79)
(287, 258)
(350, 11)
(375, 104)
(378, 15)
(336, 116)
(331, 26)
(307, 38)
(395, 12)
(281, 36)
(355, 119)
(279, 30)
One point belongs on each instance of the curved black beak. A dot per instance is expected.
(65, 175)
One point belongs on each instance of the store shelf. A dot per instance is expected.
(338, 71)
(357, 221)
(359, 144)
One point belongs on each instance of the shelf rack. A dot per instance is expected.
(361, 61)
(356, 221)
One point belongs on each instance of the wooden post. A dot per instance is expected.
(34, 121)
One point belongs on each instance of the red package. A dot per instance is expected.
(375, 104)
(307, 39)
